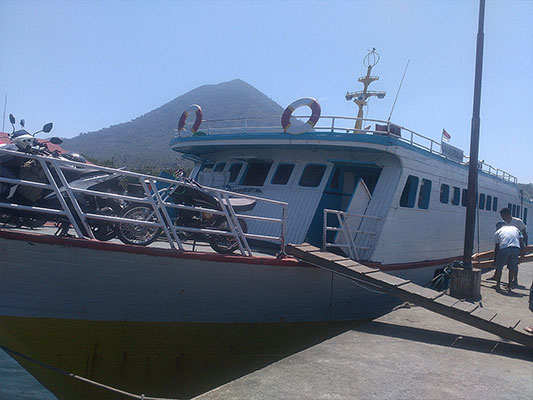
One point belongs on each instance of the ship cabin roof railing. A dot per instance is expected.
(345, 125)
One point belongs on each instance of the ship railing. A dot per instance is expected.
(339, 124)
(157, 199)
(342, 225)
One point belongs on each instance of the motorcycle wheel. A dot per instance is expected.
(140, 235)
(225, 244)
(34, 222)
(103, 230)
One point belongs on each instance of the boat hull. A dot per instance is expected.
(162, 359)
(158, 322)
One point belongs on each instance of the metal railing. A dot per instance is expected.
(349, 235)
(337, 124)
(79, 219)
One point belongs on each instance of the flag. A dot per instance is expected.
(445, 136)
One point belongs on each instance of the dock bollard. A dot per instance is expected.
(466, 283)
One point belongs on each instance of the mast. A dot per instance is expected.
(360, 97)
(474, 147)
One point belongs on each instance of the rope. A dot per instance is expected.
(356, 281)
(80, 378)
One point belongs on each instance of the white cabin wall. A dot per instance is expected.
(303, 201)
(413, 234)
(405, 234)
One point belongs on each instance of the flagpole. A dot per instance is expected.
(474, 147)
(4, 117)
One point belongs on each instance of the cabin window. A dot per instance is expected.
(456, 196)
(482, 201)
(488, 205)
(444, 193)
(206, 168)
(256, 173)
(409, 192)
(465, 195)
(513, 212)
(518, 211)
(425, 194)
(312, 175)
(495, 204)
(234, 170)
(510, 207)
(525, 215)
(282, 174)
(219, 167)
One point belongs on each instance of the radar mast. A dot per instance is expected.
(360, 98)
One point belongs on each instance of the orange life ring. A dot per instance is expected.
(311, 122)
(192, 109)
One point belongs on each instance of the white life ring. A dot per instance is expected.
(311, 122)
(192, 109)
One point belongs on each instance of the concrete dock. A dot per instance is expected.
(410, 353)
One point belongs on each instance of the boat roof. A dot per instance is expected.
(332, 133)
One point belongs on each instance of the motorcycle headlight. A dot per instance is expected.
(206, 215)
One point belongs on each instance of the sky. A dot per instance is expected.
(86, 65)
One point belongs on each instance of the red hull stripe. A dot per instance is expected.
(158, 252)
(150, 251)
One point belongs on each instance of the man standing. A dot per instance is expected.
(516, 222)
(508, 245)
(506, 215)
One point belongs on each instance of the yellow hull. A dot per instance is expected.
(154, 358)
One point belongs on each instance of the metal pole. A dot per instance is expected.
(470, 223)
(4, 117)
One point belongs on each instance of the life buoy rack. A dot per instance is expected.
(311, 122)
(192, 109)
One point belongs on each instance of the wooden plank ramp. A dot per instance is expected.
(463, 311)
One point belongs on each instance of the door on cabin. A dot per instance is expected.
(341, 193)
(358, 205)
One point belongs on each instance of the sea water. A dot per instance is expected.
(17, 384)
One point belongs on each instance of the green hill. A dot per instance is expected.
(142, 144)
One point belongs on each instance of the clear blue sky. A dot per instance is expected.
(86, 65)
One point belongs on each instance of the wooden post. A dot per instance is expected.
(466, 283)
(471, 204)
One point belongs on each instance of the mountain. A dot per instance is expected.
(142, 144)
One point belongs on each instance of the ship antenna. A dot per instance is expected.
(360, 97)
(398, 92)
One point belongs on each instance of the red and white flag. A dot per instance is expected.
(445, 136)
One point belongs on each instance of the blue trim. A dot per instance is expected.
(329, 136)
(295, 140)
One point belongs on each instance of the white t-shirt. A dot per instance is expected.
(507, 236)
(517, 223)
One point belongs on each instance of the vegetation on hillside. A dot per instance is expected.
(527, 189)
(143, 143)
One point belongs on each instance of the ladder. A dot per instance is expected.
(469, 313)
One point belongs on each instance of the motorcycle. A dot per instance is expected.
(186, 192)
(77, 177)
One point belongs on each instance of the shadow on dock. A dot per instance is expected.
(447, 339)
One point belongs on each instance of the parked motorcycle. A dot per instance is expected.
(189, 193)
(30, 170)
